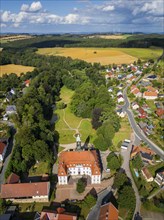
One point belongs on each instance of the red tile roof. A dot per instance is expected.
(108, 212)
(146, 172)
(150, 94)
(160, 112)
(20, 190)
(138, 149)
(54, 215)
(13, 178)
(2, 147)
(72, 158)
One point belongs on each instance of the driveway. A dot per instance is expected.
(126, 157)
(94, 213)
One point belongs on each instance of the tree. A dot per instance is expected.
(81, 184)
(96, 113)
(126, 198)
(119, 180)
(137, 162)
(113, 161)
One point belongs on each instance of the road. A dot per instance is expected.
(7, 158)
(138, 132)
(94, 213)
(126, 158)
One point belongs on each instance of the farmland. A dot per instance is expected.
(12, 68)
(103, 55)
(10, 38)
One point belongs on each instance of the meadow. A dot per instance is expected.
(12, 68)
(68, 124)
(104, 56)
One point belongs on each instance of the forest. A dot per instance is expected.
(35, 136)
(133, 41)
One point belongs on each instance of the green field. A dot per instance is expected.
(39, 169)
(123, 133)
(68, 124)
(142, 53)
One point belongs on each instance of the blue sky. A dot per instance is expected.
(54, 16)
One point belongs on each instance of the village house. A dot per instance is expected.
(121, 113)
(27, 82)
(119, 93)
(141, 113)
(110, 89)
(3, 148)
(147, 175)
(159, 179)
(10, 109)
(120, 99)
(13, 178)
(79, 163)
(59, 214)
(146, 154)
(135, 91)
(150, 95)
(151, 89)
(29, 192)
(135, 106)
(160, 112)
(108, 212)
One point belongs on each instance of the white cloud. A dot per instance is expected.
(35, 6)
(3, 25)
(24, 7)
(108, 8)
(6, 16)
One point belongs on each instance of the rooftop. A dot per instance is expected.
(108, 212)
(20, 190)
(73, 158)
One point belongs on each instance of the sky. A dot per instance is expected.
(78, 16)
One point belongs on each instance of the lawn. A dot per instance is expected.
(67, 131)
(12, 68)
(103, 55)
(39, 169)
(123, 133)
(151, 105)
(154, 168)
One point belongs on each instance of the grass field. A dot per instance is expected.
(12, 68)
(103, 55)
(66, 135)
(39, 169)
(9, 38)
(123, 133)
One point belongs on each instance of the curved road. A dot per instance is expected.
(138, 132)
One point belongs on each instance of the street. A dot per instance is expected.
(137, 130)
(94, 213)
(7, 158)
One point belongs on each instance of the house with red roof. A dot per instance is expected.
(160, 112)
(59, 214)
(18, 192)
(27, 83)
(13, 178)
(3, 148)
(108, 212)
(75, 163)
(135, 91)
(150, 95)
(141, 113)
(147, 175)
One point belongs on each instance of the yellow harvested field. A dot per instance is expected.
(12, 68)
(100, 55)
(113, 36)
